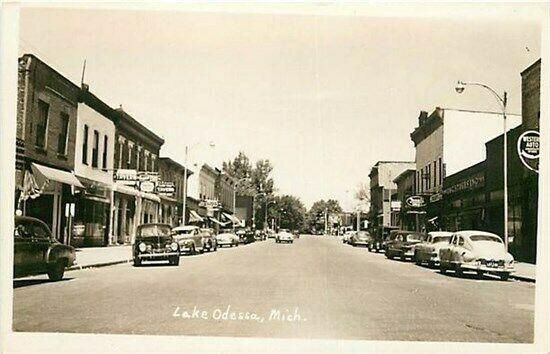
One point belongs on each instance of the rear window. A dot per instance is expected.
(485, 238)
(154, 230)
(441, 239)
(415, 237)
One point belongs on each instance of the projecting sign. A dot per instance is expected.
(528, 149)
(147, 186)
(166, 188)
(415, 201)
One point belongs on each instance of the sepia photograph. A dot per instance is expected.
(276, 172)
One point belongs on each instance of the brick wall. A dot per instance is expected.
(530, 96)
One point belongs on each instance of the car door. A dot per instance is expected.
(445, 251)
(460, 250)
(423, 248)
(41, 240)
(22, 246)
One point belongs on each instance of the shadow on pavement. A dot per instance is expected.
(19, 283)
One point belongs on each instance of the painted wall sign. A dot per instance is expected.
(529, 149)
(126, 177)
(166, 188)
(147, 186)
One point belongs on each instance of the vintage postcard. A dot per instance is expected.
(274, 177)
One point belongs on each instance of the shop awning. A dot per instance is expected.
(233, 218)
(150, 196)
(125, 189)
(217, 221)
(195, 217)
(54, 174)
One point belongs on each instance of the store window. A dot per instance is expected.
(42, 124)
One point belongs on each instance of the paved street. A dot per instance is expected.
(339, 292)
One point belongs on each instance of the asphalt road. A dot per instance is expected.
(328, 289)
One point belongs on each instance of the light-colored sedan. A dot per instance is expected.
(347, 236)
(284, 236)
(478, 251)
(189, 238)
(227, 239)
(428, 251)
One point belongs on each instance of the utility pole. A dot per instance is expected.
(326, 221)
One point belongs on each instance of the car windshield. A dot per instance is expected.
(154, 230)
(414, 237)
(485, 238)
(441, 239)
(363, 234)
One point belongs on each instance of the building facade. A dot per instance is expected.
(225, 192)
(136, 175)
(94, 155)
(46, 136)
(173, 173)
(383, 211)
(411, 209)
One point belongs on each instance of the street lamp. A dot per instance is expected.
(502, 103)
(211, 144)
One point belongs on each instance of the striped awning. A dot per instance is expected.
(195, 217)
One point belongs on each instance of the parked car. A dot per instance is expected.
(403, 243)
(296, 233)
(260, 235)
(36, 251)
(189, 239)
(347, 236)
(284, 236)
(227, 238)
(245, 235)
(271, 233)
(428, 251)
(154, 242)
(388, 239)
(209, 240)
(375, 244)
(478, 251)
(360, 238)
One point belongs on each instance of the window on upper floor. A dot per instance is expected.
(105, 148)
(42, 124)
(85, 145)
(95, 149)
(63, 134)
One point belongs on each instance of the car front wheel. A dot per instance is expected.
(174, 260)
(57, 270)
(442, 268)
(504, 276)
(137, 262)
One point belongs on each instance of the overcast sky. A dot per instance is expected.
(322, 97)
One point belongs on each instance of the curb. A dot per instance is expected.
(522, 278)
(98, 265)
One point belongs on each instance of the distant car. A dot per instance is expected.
(428, 251)
(402, 245)
(389, 239)
(347, 235)
(284, 236)
(245, 236)
(227, 238)
(360, 238)
(296, 233)
(154, 242)
(260, 235)
(189, 239)
(271, 234)
(209, 240)
(478, 251)
(36, 251)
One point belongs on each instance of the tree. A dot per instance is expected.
(241, 170)
(362, 193)
(288, 212)
(320, 210)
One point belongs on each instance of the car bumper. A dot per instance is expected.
(408, 253)
(483, 268)
(225, 243)
(156, 256)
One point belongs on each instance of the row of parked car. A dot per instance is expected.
(156, 242)
(477, 251)
(36, 251)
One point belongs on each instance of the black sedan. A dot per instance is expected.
(154, 242)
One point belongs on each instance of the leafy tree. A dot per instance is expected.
(315, 219)
(288, 212)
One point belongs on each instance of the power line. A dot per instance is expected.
(474, 111)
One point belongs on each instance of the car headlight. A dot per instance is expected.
(142, 247)
(174, 246)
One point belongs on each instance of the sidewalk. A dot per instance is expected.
(524, 271)
(87, 257)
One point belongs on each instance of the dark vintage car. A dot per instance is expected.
(209, 240)
(154, 242)
(360, 238)
(36, 251)
(402, 244)
(245, 235)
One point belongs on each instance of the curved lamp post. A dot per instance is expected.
(502, 101)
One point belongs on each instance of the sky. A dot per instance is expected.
(322, 97)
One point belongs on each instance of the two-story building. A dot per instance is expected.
(383, 211)
(47, 104)
(136, 176)
(94, 158)
(171, 173)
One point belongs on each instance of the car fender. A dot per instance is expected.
(58, 251)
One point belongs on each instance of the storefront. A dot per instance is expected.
(46, 194)
(124, 211)
(464, 200)
(92, 214)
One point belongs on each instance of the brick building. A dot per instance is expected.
(172, 205)
(46, 136)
